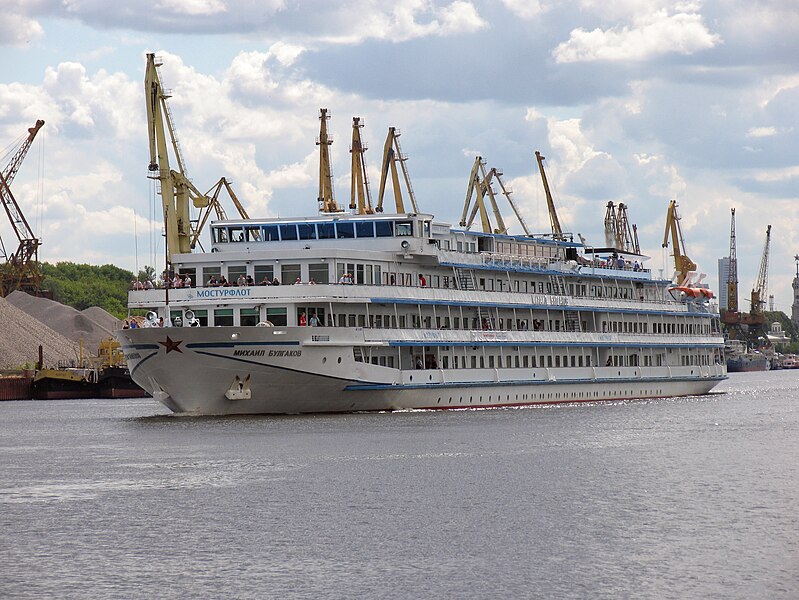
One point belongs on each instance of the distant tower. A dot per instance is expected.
(724, 271)
(771, 302)
(795, 286)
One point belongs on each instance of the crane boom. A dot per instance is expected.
(760, 291)
(682, 264)
(177, 192)
(732, 272)
(327, 200)
(557, 232)
(360, 195)
(21, 269)
(392, 154)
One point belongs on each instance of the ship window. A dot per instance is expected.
(270, 233)
(365, 229)
(264, 272)
(307, 231)
(404, 228)
(345, 230)
(236, 234)
(223, 317)
(318, 272)
(208, 271)
(277, 316)
(290, 273)
(201, 316)
(248, 317)
(288, 232)
(220, 235)
(233, 273)
(384, 228)
(253, 234)
(326, 231)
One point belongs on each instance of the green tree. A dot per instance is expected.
(82, 286)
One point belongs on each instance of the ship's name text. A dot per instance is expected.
(224, 292)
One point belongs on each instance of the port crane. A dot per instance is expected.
(557, 232)
(480, 186)
(392, 154)
(619, 233)
(682, 264)
(760, 290)
(360, 195)
(177, 191)
(21, 269)
(326, 198)
(735, 320)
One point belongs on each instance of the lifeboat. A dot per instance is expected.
(689, 294)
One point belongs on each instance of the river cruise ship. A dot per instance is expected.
(371, 312)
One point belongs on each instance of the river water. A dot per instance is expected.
(670, 498)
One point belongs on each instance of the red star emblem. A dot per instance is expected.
(170, 345)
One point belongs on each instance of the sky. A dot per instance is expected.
(633, 101)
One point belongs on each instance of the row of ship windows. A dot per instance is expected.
(279, 316)
(372, 274)
(444, 360)
(331, 230)
(551, 396)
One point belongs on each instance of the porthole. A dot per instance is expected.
(324, 359)
(339, 360)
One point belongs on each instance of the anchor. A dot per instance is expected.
(239, 389)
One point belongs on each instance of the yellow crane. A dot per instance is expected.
(557, 232)
(327, 200)
(177, 192)
(760, 290)
(682, 264)
(480, 186)
(360, 195)
(21, 269)
(215, 206)
(392, 154)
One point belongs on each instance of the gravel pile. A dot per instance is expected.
(65, 320)
(103, 318)
(20, 337)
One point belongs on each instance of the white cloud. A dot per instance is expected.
(761, 131)
(16, 26)
(191, 7)
(526, 9)
(652, 35)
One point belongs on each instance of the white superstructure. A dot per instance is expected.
(400, 311)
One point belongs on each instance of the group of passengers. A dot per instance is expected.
(617, 262)
(313, 321)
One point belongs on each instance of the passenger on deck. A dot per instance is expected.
(275, 281)
(223, 282)
(422, 281)
(187, 280)
(314, 320)
(241, 281)
(148, 284)
(212, 282)
(265, 281)
(298, 280)
(303, 320)
(250, 280)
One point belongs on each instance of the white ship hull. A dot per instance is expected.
(291, 370)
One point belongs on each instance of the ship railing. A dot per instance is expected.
(443, 337)
(355, 293)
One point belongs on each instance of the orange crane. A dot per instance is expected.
(21, 269)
